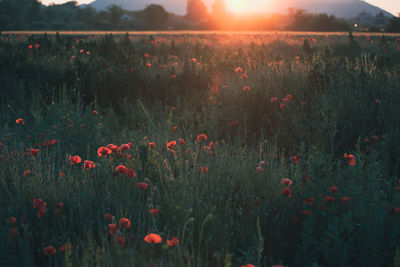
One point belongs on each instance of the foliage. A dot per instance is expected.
(300, 166)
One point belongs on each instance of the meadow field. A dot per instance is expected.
(199, 149)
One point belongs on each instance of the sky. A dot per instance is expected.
(393, 6)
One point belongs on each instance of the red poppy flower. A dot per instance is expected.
(239, 70)
(287, 192)
(38, 203)
(27, 173)
(131, 173)
(173, 242)
(20, 121)
(120, 240)
(148, 65)
(246, 88)
(63, 248)
(103, 151)
(50, 250)
(173, 76)
(286, 181)
(12, 220)
(295, 159)
(124, 223)
(60, 205)
(282, 105)
(34, 152)
(152, 145)
(259, 169)
(121, 169)
(88, 165)
(154, 212)
(41, 212)
(274, 99)
(181, 142)
(61, 174)
(204, 170)
(112, 147)
(171, 145)
(175, 128)
(329, 199)
(248, 265)
(153, 238)
(289, 96)
(125, 147)
(194, 60)
(350, 159)
(36, 46)
(201, 138)
(142, 185)
(309, 201)
(13, 233)
(333, 189)
(74, 160)
(395, 210)
(345, 200)
(306, 212)
(112, 228)
(95, 112)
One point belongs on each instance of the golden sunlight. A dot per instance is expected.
(248, 6)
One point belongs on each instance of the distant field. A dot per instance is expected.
(195, 33)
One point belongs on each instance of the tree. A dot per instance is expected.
(115, 14)
(196, 10)
(155, 15)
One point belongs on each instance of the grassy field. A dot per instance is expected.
(199, 149)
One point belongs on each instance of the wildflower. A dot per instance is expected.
(383, 137)
(125, 147)
(194, 60)
(289, 97)
(204, 170)
(274, 99)
(120, 240)
(287, 192)
(34, 152)
(263, 163)
(108, 216)
(74, 160)
(329, 199)
(175, 128)
(27, 173)
(377, 101)
(309, 201)
(63, 248)
(286, 181)
(152, 145)
(259, 169)
(50, 250)
(112, 228)
(248, 265)
(154, 212)
(239, 70)
(148, 65)
(147, 55)
(244, 76)
(30, 46)
(350, 159)
(173, 242)
(121, 169)
(41, 212)
(306, 212)
(333, 189)
(142, 185)
(13, 233)
(103, 151)
(12, 220)
(61, 174)
(246, 88)
(20, 121)
(345, 200)
(395, 210)
(201, 138)
(38, 203)
(131, 173)
(282, 105)
(181, 142)
(295, 159)
(124, 223)
(173, 76)
(95, 112)
(153, 238)
(87, 165)
(171, 145)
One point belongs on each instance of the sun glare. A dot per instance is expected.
(248, 6)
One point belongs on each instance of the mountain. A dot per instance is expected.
(339, 8)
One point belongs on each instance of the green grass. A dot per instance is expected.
(234, 213)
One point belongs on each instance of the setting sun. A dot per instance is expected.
(248, 6)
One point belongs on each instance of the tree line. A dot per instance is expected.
(32, 15)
